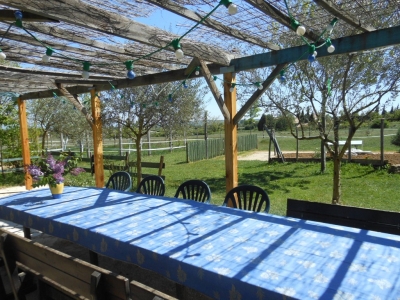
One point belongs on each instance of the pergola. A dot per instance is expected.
(103, 38)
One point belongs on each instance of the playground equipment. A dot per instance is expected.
(262, 126)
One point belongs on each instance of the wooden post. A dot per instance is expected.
(97, 139)
(382, 140)
(231, 165)
(26, 156)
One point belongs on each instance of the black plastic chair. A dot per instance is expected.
(121, 181)
(152, 185)
(248, 197)
(196, 190)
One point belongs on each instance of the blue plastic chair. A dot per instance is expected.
(196, 190)
(248, 197)
(120, 181)
(152, 185)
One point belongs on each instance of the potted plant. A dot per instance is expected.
(49, 171)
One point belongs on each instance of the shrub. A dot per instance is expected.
(377, 124)
(396, 138)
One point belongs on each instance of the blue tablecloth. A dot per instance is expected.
(222, 252)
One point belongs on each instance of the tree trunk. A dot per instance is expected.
(138, 160)
(336, 180)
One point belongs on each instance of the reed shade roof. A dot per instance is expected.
(110, 33)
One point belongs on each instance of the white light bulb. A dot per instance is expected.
(329, 27)
(315, 53)
(260, 87)
(2, 55)
(331, 49)
(232, 9)
(197, 72)
(301, 30)
(85, 74)
(179, 54)
(231, 89)
(45, 58)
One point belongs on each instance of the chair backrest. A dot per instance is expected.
(152, 185)
(121, 181)
(196, 190)
(248, 197)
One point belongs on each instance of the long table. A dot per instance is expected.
(222, 252)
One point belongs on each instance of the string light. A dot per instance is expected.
(215, 78)
(197, 72)
(232, 87)
(332, 24)
(331, 48)
(178, 49)
(184, 84)
(232, 8)
(86, 68)
(300, 29)
(282, 77)
(170, 97)
(129, 67)
(2, 54)
(46, 57)
(18, 18)
(258, 85)
(312, 53)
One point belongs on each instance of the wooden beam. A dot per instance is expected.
(214, 90)
(279, 16)
(75, 101)
(8, 15)
(257, 94)
(344, 15)
(175, 8)
(349, 44)
(90, 16)
(97, 139)
(26, 156)
(231, 162)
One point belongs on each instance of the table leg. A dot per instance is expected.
(93, 258)
(27, 232)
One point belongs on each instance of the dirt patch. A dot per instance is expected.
(392, 158)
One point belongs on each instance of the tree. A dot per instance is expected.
(342, 88)
(9, 125)
(140, 109)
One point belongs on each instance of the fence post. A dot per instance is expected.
(382, 140)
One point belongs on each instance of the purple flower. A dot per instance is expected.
(59, 167)
(77, 171)
(35, 172)
(51, 161)
(58, 177)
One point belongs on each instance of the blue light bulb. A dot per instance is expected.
(130, 74)
(282, 79)
(170, 97)
(311, 58)
(185, 85)
(18, 15)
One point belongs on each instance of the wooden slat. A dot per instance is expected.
(72, 273)
(363, 218)
(140, 291)
(97, 139)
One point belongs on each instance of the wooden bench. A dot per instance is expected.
(363, 218)
(60, 276)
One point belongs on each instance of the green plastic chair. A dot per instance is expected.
(196, 190)
(248, 197)
(152, 185)
(120, 181)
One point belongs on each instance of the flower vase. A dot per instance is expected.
(56, 191)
